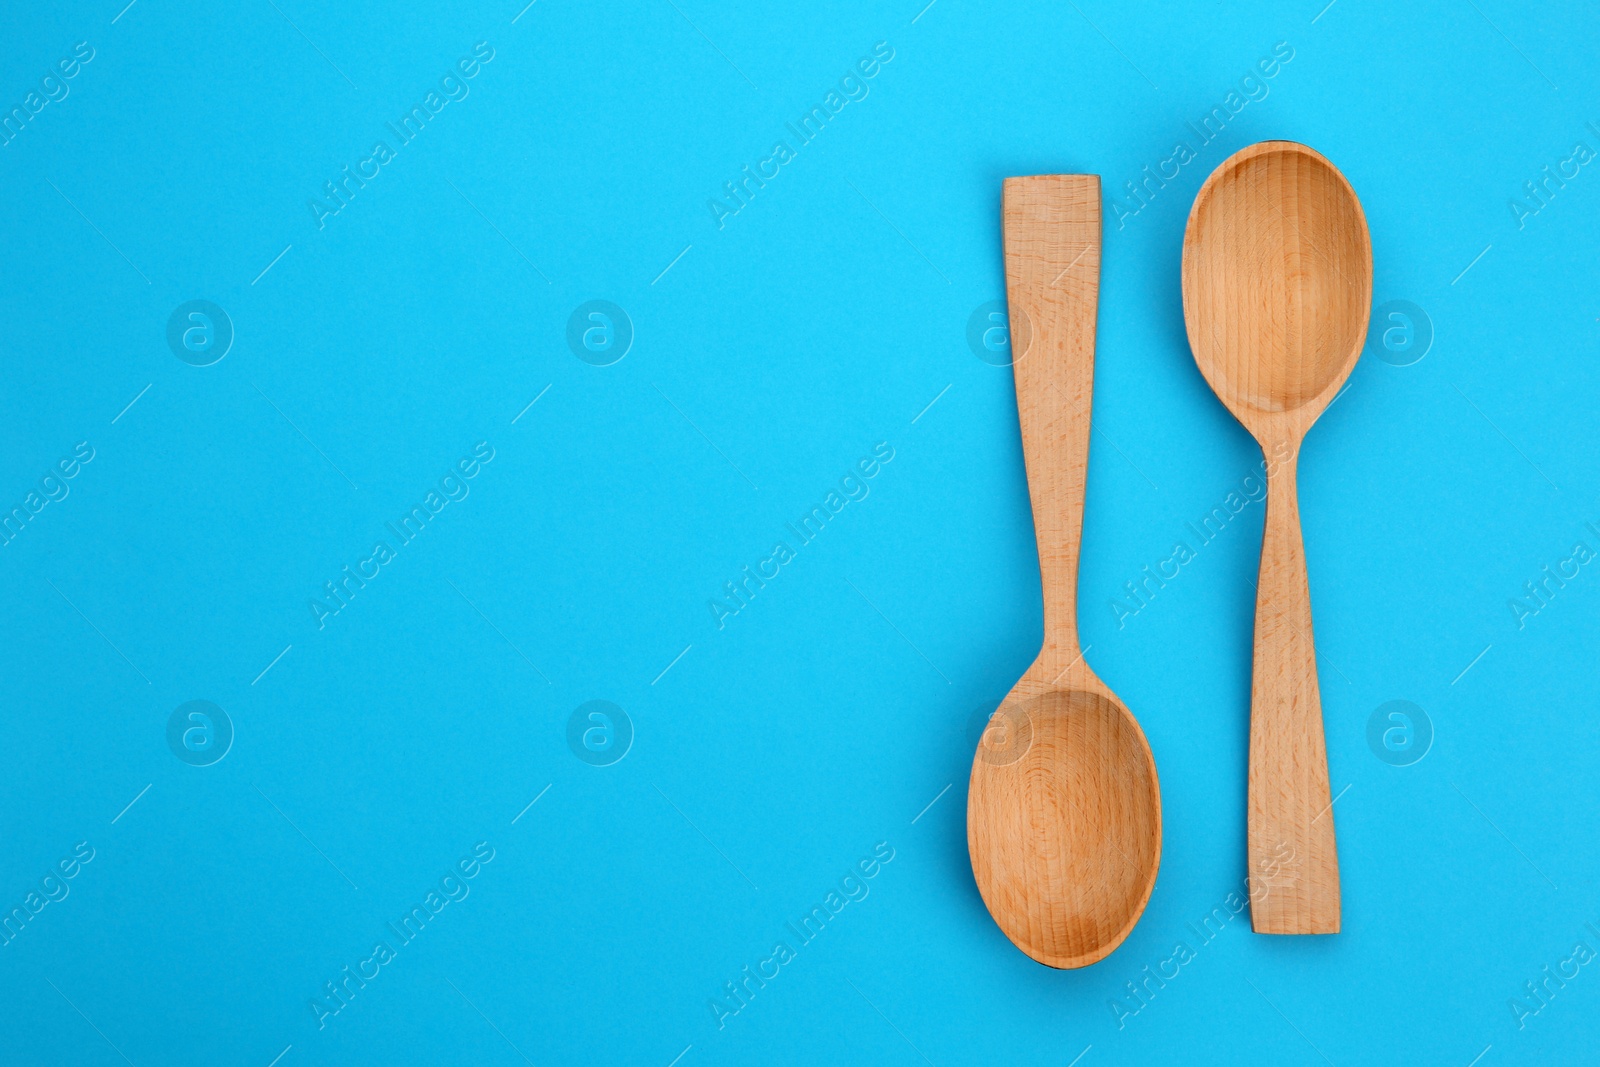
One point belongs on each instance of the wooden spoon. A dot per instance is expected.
(1277, 283)
(1064, 812)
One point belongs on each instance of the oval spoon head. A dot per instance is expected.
(1064, 822)
(1277, 285)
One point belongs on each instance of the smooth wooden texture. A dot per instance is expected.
(1064, 811)
(1277, 286)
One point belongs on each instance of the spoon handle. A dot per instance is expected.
(1052, 249)
(1294, 865)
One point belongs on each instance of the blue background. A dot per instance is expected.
(840, 707)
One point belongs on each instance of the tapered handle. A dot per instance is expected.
(1294, 866)
(1052, 244)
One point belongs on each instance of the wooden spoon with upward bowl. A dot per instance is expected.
(1064, 812)
(1277, 286)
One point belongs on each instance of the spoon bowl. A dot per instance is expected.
(1063, 811)
(1277, 283)
(1067, 771)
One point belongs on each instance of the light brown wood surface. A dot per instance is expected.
(1064, 810)
(1277, 286)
